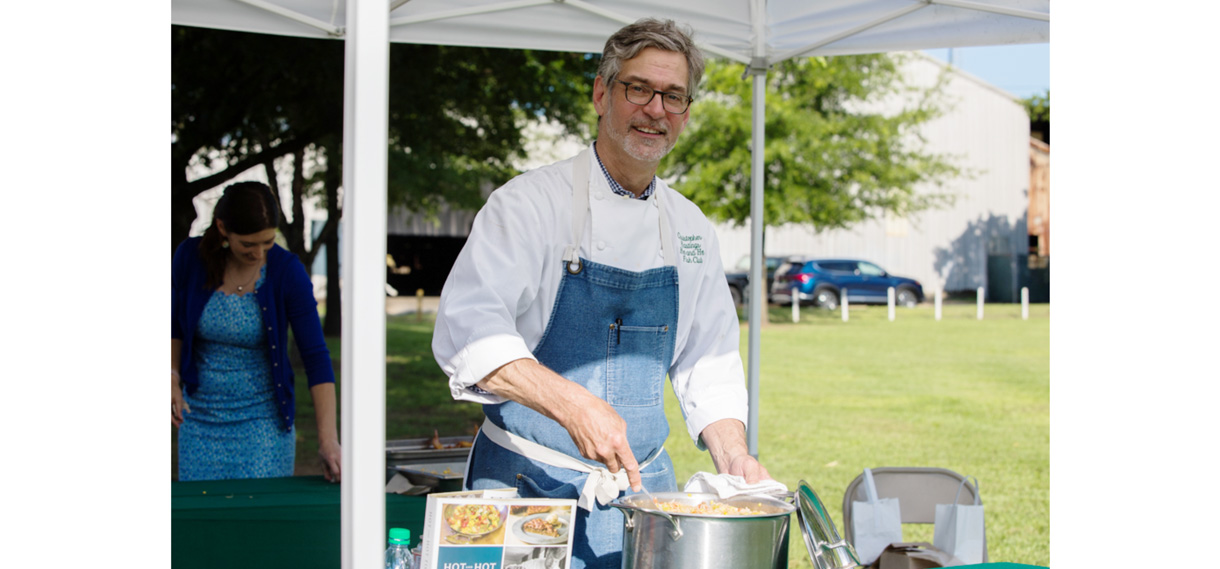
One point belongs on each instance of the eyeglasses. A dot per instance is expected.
(640, 94)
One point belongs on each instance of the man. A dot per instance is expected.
(581, 286)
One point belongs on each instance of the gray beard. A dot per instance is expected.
(638, 149)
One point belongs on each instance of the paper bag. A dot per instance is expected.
(959, 529)
(875, 523)
(913, 555)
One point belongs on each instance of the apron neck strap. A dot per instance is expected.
(580, 209)
(581, 167)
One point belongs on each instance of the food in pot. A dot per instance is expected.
(708, 508)
(473, 519)
(548, 526)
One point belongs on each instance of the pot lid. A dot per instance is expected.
(826, 549)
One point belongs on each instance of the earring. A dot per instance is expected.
(225, 244)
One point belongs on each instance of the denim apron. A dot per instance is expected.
(612, 331)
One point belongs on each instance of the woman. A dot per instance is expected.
(235, 294)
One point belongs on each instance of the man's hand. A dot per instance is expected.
(726, 442)
(601, 434)
(597, 429)
(748, 467)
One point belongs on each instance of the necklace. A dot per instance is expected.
(242, 287)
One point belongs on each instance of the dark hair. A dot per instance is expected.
(245, 208)
(666, 35)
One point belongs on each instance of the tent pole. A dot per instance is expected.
(329, 28)
(758, 277)
(757, 280)
(855, 30)
(474, 11)
(365, 132)
(1002, 10)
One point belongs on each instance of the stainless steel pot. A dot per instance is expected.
(653, 539)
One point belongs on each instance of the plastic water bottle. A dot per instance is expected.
(398, 554)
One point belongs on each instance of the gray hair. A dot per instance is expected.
(648, 32)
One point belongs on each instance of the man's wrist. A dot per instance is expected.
(725, 441)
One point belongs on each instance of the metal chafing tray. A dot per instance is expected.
(440, 476)
(414, 451)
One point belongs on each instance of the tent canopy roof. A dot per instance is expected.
(723, 28)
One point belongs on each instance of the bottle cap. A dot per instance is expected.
(400, 535)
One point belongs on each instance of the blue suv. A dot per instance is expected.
(822, 282)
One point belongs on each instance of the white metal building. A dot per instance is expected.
(988, 130)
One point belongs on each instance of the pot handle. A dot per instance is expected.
(629, 513)
(675, 533)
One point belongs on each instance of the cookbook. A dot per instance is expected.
(496, 529)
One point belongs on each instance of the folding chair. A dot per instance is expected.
(918, 489)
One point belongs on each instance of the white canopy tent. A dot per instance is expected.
(736, 29)
(757, 33)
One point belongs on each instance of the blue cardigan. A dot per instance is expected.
(286, 298)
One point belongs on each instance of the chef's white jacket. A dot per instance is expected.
(498, 298)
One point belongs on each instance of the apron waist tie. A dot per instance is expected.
(601, 484)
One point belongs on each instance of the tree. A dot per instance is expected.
(243, 100)
(457, 114)
(1039, 109)
(831, 160)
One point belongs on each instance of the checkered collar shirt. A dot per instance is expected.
(618, 188)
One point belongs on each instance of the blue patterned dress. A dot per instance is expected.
(233, 429)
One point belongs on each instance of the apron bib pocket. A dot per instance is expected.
(635, 352)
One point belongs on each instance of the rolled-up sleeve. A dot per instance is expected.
(707, 374)
(496, 275)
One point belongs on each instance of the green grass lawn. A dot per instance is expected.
(968, 395)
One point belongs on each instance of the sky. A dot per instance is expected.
(1023, 70)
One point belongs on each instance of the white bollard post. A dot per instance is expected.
(980, 297)
(1024, 303)
(843, 303)
(796, 307)
(938, 304)
(889, 296)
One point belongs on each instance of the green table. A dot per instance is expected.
(269, 522)
(286, 522)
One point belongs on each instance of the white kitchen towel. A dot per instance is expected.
(729, 485)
